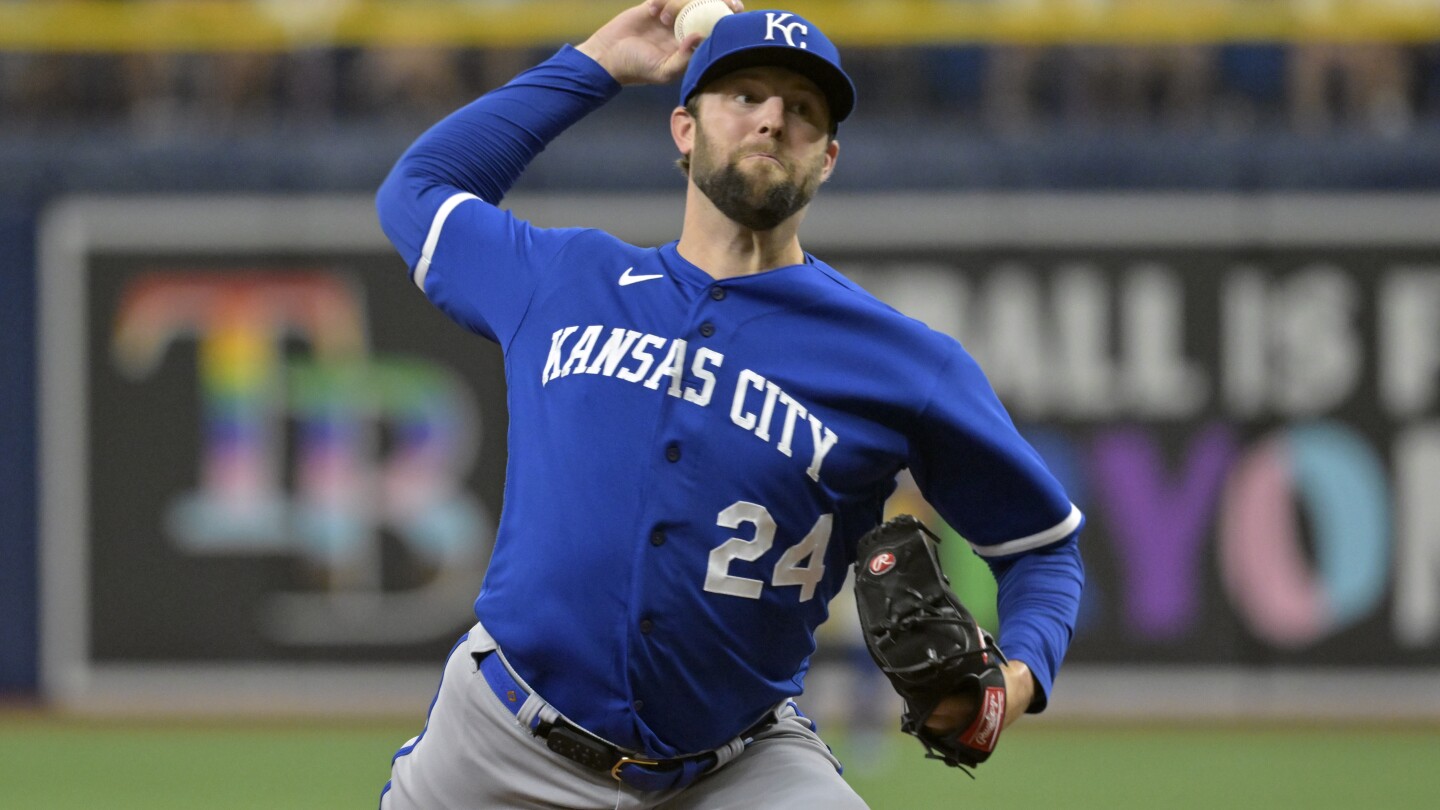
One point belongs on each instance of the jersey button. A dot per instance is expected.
(639, 704)
(717, 293)
(672, 453)
(707, 329)
(657, 538)
(647, 626)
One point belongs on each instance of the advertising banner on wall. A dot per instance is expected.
(1251, 432)
(265, 456)
(271, 468)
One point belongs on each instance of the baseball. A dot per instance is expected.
(699, 17)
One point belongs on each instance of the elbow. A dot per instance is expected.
(1063, 555)
(390, 198)
(400, 213)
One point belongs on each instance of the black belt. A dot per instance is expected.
(575, 743)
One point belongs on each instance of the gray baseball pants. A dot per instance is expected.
(475, 755)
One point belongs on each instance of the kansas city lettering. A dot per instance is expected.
(823, 439)
(758, 406)
(633, 357)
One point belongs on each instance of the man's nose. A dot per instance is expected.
(772, 116)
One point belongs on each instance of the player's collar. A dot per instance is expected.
(690, 274)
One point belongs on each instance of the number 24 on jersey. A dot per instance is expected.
(803, 564)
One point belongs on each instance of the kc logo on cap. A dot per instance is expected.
(774, 22)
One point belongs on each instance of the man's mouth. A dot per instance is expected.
(766, 156)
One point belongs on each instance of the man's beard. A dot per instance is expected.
(760, 205)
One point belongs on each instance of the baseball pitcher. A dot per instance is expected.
(702, 439)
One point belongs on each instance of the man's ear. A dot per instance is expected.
(832, 154)
(682, 129)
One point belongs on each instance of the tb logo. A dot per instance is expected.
(775, 22)
(350, 461)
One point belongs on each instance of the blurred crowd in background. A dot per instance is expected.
(1379, 89)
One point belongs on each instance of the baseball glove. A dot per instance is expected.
(926, 642)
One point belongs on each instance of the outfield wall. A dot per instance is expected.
(270, 472)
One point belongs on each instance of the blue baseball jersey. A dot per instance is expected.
(692, 460)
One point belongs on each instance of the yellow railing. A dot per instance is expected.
(275, 25)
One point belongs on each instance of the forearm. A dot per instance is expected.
(1020, 690)
(1039, 601)
(483, 148)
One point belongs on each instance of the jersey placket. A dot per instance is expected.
(677, 449)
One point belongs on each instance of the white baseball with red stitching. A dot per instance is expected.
(699, 17)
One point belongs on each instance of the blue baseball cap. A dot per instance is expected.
(755, 38)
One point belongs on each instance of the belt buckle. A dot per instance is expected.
(623, 761)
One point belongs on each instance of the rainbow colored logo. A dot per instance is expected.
(317, 453)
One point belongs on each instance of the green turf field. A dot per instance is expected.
(54, 765)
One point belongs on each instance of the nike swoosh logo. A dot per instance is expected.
(626, 279)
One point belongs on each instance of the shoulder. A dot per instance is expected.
(586, 249)
(875, 318)
(589, 245)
